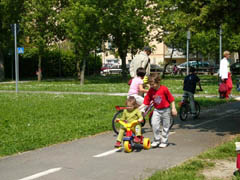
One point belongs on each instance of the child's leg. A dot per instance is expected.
(156, 119)
(192, 104)
(120, 134)
(166, 115)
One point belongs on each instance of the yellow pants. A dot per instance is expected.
(137, 130)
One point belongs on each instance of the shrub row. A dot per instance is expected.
(55, 63)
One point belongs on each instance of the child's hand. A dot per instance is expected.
(140, 120)
(117, 120)
(174, 112)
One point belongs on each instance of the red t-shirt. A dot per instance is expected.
(161, 97)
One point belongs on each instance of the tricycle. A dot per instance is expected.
(128, 139)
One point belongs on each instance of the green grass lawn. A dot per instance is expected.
(191, 169)
(113, 84)
(30, 121)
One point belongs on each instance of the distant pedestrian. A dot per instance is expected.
(175, 70)
(225, 73)
(141, 60)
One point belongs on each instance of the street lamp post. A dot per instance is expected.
(220, 43)
(188, 38)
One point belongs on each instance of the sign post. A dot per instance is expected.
(188, 38)
(16, 57)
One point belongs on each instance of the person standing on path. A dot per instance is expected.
(141, 60)
(225, 74)
(164, 109)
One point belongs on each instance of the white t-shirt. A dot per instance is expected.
(224, 68)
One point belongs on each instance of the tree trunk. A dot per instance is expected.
(39, 72)
(78, 70)
(165, 67)
(83, 72)
(2, 75)
(123, 58)
(238, 55)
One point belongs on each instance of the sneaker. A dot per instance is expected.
(136, 139)
(155, 144)
(118, 144)
(163, 145)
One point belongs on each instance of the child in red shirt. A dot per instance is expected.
(162, 99)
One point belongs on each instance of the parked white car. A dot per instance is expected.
(114, 69)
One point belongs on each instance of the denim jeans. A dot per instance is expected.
(190, 95)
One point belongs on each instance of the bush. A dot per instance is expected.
(55, 63)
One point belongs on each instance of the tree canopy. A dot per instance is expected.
(127, 24)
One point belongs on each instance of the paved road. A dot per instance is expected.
(94, 158)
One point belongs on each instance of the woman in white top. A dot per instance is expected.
(225, 74)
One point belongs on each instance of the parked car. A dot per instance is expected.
(201, 66)
(235, 68)
(106, 66)
(155, 68)
(113, 69)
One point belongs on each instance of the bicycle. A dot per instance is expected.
(185, 109)
(147, 113)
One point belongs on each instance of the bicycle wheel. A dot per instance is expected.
(116, 126)
(197, 106)
(183, 112)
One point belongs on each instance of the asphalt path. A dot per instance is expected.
(95, 158)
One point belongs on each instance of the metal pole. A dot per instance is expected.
(220, 44)
(187, 56)
(16, 56)
(188, 38)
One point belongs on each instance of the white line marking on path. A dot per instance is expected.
(116, 150)
(108, 152)
(44, 173)
(216, 119)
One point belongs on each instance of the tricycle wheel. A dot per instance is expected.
(127, 146)
(146, 143)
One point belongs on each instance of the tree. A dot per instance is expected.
(203, 18)
(41, 25)
(10, 13)
(128, 24)
(209, 15)
(83, 26)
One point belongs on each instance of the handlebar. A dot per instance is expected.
(128, 125)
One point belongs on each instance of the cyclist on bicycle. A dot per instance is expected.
(189, 87)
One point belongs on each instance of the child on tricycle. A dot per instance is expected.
(130, 114)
